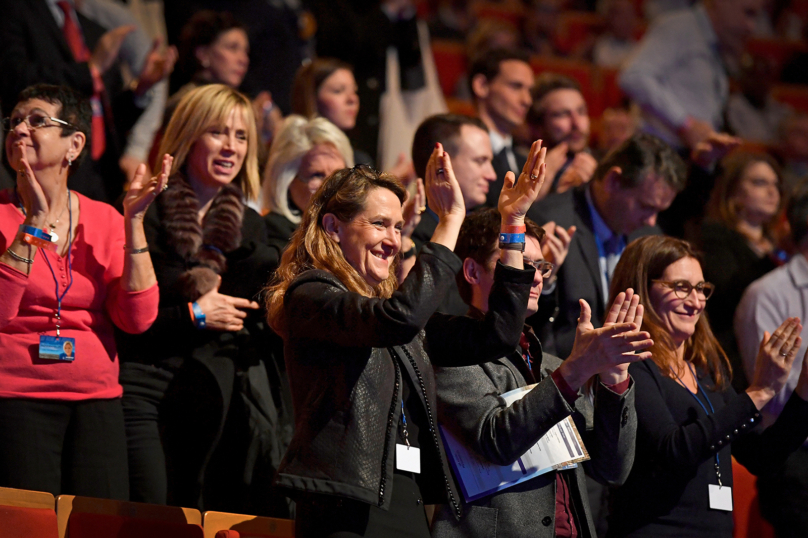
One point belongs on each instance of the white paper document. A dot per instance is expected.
(560, 448)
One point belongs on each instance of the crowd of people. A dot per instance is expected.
(212, 298)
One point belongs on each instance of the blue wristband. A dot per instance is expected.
(35, 232)
(199, 316)
(512, 238)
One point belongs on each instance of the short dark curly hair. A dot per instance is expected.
(478, 240)
(74, 108)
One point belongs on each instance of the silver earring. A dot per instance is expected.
(70, 161)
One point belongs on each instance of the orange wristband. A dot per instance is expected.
(513, 229)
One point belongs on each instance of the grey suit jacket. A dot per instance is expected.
(470, 406)
(579, 276)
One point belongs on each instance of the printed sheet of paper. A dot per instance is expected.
(560, 448)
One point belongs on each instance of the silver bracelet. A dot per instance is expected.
(136, 250)
(19, 258)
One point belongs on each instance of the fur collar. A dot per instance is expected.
(204, 246)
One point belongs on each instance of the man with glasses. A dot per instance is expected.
(470, 407)
(783, 292)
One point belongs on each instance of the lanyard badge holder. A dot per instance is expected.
(408, 458)
(60, 348)
(720, 495)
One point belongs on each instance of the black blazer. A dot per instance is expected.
(33, 51)
(501, 168)
(579, 276)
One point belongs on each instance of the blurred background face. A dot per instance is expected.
(317, 164)
(226, 60)
(337, 100)
(472, 165)
(566, 119)
(734, 21)
(757, 196)
(679, 316)
(508, 98)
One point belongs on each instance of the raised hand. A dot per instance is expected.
(774, 361)
(626, 308)
(598, 350)
(556, 245)
(580, 171)
(108, 46)
(33, 197)
(158, 65)
(413, 207)
(142, 193)
(445, 196)
(516, 199)
(223, 312)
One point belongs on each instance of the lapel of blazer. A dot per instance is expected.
(44, 17)
(588, 247)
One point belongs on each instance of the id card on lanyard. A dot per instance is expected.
(60, 348)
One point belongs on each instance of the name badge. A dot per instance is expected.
(57, 348)
(408, 458)
(720, 497)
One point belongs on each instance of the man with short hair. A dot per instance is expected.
(560, 118)
(466, 140)
(781, 294)
(679, 75)
(470, 406)
(500, 82)
(629, 188)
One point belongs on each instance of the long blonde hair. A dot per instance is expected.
(343, 194)
(199, 110)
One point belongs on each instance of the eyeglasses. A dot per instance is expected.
(683, 288)
(34, 120)
(544, 268)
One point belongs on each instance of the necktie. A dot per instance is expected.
(510, 158)
(613, 252)
(75, 40)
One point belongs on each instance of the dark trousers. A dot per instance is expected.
(784, 496)
(76, 448)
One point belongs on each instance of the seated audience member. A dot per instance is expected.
(326, 87)
(60, 400)
(202, 423)
(452, 20)
(44, 41)
(304, 153)
(487, 34)
(690, 422)
(500, 82)
(617, 124)
(616, 44)
(349, 329)
(469, 403)
(778, 295)
(560, 118)
(752, 113)
(792, 149)
(678, 75)
(630, 186)
(738, 241)
(213, 49)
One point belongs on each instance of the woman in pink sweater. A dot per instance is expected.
(71, 270)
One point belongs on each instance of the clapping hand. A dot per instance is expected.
(223, 312)
(556, 245)
(142, 193)
(412, 209)
(516, 199)
(445, 196)
(774, 361)
(29, 189)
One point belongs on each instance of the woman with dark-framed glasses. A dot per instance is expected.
(691, 422)
(71, 271)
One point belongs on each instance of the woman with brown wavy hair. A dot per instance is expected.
(690, 420)
(739, 240)
(366, 457)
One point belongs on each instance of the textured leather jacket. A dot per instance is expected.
(346, 355)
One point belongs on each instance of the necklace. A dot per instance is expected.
(52, 233)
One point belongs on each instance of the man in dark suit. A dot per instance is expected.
(629, 188)
(470, 406)
(500, 82)
(559, 117)
(466, 140)
(36, 49)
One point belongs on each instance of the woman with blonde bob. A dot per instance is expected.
(211, 260)
(304, 153)
(366, 455)
(690, 420)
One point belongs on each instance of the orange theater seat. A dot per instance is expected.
(226, 525)
(746, 511)
(779, 51)
(451, 63)
(795, 95)
(513, 14)
(575, 27)
(27, 513)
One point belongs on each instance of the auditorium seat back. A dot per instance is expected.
(27, 513)
(227, 525)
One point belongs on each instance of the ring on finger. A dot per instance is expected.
(440, 170)
(534, 176)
